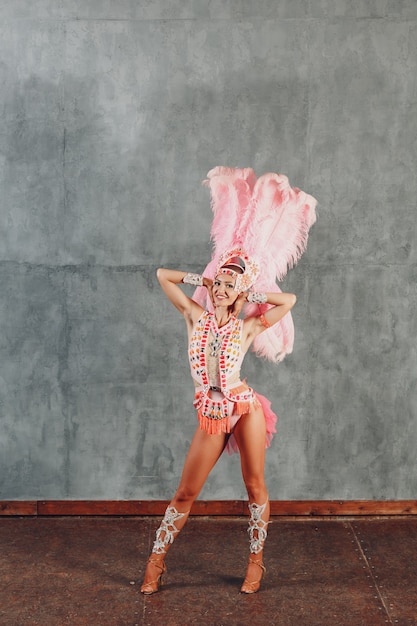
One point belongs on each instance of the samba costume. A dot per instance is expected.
(260, 229)
(221, 398)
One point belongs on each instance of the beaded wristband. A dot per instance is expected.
(257, 298)
(193, 279)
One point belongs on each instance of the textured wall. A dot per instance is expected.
(111, 114)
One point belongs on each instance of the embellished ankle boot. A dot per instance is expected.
(258, 530)
(165, 535)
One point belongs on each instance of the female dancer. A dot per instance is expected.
(229, 411)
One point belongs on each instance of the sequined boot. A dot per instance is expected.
(165, 535)
(258, 530)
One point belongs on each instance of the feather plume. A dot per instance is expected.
(231, 195)
(270, 220)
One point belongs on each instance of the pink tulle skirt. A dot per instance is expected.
(270, 422)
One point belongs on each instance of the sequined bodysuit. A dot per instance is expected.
(216, 357)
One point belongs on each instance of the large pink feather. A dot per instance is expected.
(231, 194)
(270, 220)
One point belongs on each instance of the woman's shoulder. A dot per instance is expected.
(198, 314)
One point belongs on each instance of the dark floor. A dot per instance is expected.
(87, 571)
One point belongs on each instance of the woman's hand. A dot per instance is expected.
(208, 284)
(238, 303)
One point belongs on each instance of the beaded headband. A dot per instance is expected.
(241, 261)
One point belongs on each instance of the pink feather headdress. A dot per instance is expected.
(269, 221)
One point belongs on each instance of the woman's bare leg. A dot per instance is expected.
(203, 454)
(250, 433)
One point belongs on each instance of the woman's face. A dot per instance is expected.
(224, 293)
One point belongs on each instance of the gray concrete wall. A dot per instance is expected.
(111, 115)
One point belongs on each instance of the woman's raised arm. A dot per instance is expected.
(282, 304)
(169, 281)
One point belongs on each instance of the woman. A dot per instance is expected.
(227, 407)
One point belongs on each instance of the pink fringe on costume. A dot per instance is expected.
(270, 220)
(270, 421)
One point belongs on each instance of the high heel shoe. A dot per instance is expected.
(253, 587)
(153, 586)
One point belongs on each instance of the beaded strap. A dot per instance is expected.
(264, 321)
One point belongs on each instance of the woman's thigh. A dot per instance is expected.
(250, 435)
(202, 456)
